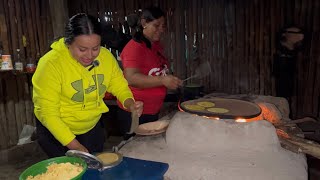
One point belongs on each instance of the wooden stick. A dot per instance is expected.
(40, 33)
(223, 62)
(10, 110)
(13, 28)
(31, 31)
(3, 34)
(297, 144)
(289, 146)
(3, 115)
(292, 122)
(36, 28)
(306, 146)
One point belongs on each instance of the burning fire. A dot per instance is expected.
(214, 118)
(180, 109)
(241, 120)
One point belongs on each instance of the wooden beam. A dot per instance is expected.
(4, 35)
(59, 16)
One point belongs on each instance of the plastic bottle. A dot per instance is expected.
(18, 64)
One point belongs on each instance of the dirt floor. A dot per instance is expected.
(11, 171)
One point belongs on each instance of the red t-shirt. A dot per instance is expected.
(151, 62)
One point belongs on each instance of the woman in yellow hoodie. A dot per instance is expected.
(68, 89)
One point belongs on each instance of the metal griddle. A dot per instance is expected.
(237, 108)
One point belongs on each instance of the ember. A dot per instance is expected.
(241, 120)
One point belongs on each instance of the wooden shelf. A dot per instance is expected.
(15, 72)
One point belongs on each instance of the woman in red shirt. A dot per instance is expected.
(146, 68)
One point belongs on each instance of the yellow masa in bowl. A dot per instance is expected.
(47, 165)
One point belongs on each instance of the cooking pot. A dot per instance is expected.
(192, 91)
(184, 93)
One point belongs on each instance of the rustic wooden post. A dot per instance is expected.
(3, 34)
(59, 16)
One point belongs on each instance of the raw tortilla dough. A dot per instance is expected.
(61, 171)
(154, 126)
(193, 107)
(218, 110)
(108, 158)
(206, 104)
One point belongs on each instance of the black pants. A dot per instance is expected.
(124, 119)
(93, 140)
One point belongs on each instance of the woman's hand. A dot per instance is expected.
(137, 107)
(138, 80)
(76, 145)
(171, 82)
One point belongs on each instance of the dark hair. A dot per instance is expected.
(148, 14)
(81, 24)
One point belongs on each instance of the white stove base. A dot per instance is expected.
(200, 149)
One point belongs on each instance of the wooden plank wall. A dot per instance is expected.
(25, 25)
(236, 37)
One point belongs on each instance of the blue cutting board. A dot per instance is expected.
(130, 169)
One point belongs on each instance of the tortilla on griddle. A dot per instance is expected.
(218, 110)
(206, 104)
(194, 107)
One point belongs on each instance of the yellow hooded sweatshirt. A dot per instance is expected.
(68, 98)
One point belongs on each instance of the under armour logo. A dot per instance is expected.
(78, 86)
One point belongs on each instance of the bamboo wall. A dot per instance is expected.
(25, 25)
(237, 37)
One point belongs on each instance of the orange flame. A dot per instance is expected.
(241, 120)
(180, 109)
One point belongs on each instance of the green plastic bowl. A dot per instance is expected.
(41, 167)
